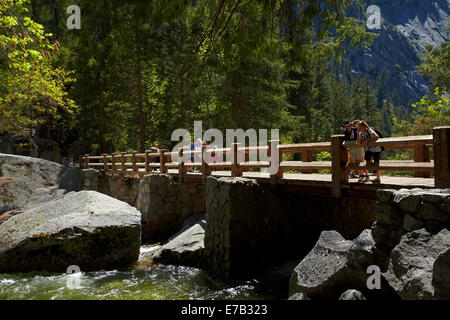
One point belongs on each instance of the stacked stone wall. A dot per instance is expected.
(166, 204)
(250, 227)
(89, 179)
(402, 211)
(96, 180)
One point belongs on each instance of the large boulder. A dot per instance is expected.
(20, 176)
(333, 266)
(410, 271)
(86, 228)
(186, 247)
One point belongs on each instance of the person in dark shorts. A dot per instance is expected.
(367, 135)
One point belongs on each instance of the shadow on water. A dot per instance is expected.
(162, 283)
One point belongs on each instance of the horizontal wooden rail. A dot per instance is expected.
(303, 147)
(237, 158)
(398, 143)
(313, 165)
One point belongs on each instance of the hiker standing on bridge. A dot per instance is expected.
(367, 135)
(356, 154)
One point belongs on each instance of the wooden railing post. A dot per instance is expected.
(421, 154)
(307, 157)
(275, 159)
(441, 150)
(105, 163)
(147, 162)
(124, 167)
(86, 161)
(236, 170)
(113, 161)
(338, 162)
(134, 166)
(162, 161)
(80, 163)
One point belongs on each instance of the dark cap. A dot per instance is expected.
(346, 123)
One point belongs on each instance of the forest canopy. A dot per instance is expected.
(137, 70)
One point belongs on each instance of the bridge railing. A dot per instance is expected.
(236, 159)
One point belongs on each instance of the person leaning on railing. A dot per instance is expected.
(356, 154)
(367, 135)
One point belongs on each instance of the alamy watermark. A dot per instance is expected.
(373, 14)
(374, 281)
(74, 280)
(373, 17)
(215, 136)
(74, 21)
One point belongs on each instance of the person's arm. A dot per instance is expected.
(358, 141)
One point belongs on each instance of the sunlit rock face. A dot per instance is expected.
(86, 228)
(26, 182)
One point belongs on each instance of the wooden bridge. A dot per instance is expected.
(427, 173)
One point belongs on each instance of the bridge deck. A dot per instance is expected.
(314, 183)
(323, 179)
(320, 179)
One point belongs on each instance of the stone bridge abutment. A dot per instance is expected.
(248, 225)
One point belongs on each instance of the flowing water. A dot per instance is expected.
(161, 283)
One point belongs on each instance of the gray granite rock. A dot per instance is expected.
(332, 266)
(385, 195)
(411, 262)
(186, 247)
(21, 176)
(429, 211)
(410, 223)
(86, 228)
(352, 295)
(299, 296)
(387, 214)
(441, 276)
(43, 195)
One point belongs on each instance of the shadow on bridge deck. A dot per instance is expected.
(316, 183)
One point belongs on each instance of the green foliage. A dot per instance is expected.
(436, 66)
(430, 111)
(323, 156)
(32, 91)
(145, 68)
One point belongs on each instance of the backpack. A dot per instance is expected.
(380, 135)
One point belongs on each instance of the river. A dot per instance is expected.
(164, 282)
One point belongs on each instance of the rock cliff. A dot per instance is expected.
(407, 27)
